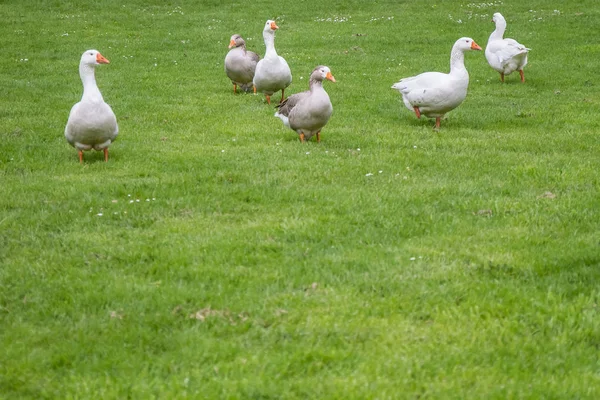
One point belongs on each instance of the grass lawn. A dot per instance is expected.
(215, 256)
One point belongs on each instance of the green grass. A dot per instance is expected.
(448, 273)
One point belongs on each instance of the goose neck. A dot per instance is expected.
(457, 61)
(269, 43)
(499, 31)
(90, 88)
(315, 84)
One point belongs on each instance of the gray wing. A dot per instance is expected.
(253, 56)
(286, 106)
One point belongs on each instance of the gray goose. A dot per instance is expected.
(272, 72)
(92, 123)
(308, 112)
(240, 64)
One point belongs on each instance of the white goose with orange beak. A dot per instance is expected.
(433, 94)
(272, 72)
(92, 123)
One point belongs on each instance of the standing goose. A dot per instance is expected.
(272, 72)
(505, 55)
(308, 112)
(92, 123)
(433, 94)
(240, 64)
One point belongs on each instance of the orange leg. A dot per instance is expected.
(502, 76)
(302, 140)
(268, 99)
(254, 89)
(80, 153)
(106, 154)
(319, 137)
(437, 123)
(234, 88)
(522, 75)
(282, 97)
(417, 111)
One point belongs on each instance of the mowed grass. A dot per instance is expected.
(388, 261)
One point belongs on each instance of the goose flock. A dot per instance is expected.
(93, 125)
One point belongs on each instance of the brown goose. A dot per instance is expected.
(308, 112)
(240, 64)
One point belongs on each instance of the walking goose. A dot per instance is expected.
(308, 112)
(433, 94)
(272, 72)
(505, 55)
(240, 64)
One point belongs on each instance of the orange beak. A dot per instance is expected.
(475, 46)
(274, 26)
(330, 77)
(101, 60)
(232, 43)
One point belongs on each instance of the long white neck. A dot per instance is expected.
(90, 88)
(498, 33)
(269, 44)
(457, 62)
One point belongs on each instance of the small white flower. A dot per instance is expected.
(128, 195)
(99, 214)
(130, 201)
(414, 147)
(147, 199)
(412, 259)
(154, 198)
(369, 174)
(308, 152)
(380, 171)
(358, 149)
(137, 200)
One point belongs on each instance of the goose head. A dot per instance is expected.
(498, 18)
(236, 41)
(321, 73)
(270, 26)
(93, 58)
(466, 44)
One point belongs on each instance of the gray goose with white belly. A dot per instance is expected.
(308, 112)
(240, 64)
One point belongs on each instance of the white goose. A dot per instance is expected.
(433, 94)
(308, 112)
(272, 72)
(92, 123)
(505, 55)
